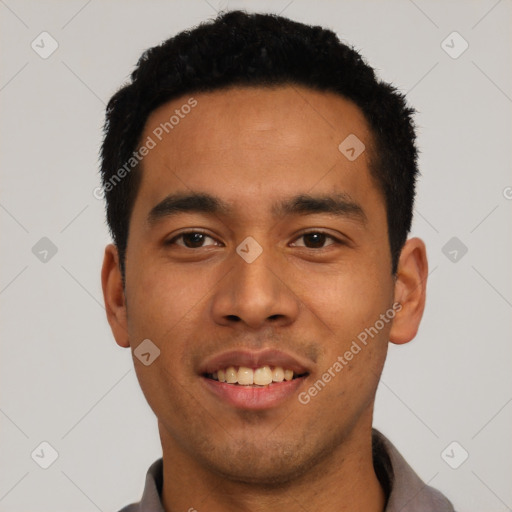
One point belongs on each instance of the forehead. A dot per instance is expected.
(288, 112)
(252, 142)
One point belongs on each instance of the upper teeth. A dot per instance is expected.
(248, 376)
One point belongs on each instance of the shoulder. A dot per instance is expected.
(150, 501)
(407, 492)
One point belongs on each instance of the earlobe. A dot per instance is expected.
(113, 295)
(410, 291)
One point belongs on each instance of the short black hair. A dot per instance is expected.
(253, 49)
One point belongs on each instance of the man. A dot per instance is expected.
(260, 182)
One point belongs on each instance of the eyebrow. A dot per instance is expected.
(175, 204)
(340, 205)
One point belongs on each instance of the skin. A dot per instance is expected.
(252, 147)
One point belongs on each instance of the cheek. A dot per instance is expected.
(163, 304)
(355, 351)
(348, 299)
(160, 297)
(347, 307)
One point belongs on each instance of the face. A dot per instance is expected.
(255, 244)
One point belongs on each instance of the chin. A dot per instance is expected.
(269, 476)
(267, 465)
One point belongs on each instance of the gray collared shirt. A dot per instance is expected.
(406, 492)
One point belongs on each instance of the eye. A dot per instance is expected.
(190, 239)
(316, 239)
(197, 239)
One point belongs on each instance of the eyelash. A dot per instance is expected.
(315, 232)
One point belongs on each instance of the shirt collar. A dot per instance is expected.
(408, 492)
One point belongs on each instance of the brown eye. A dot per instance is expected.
(190, 240)
(315, 240)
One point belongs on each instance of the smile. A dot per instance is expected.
(254, 377)
(254, 380)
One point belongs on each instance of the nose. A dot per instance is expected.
(256, 294)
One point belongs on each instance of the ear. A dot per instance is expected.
(410, 291)
(113, 295)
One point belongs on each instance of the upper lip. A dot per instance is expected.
(255, 359)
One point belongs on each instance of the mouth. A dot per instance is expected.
(254, 377)
(254, 380)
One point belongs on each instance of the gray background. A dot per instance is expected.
(66, 382)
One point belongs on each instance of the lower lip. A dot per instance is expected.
(254, 398)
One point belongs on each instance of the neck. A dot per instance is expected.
(343, 480)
